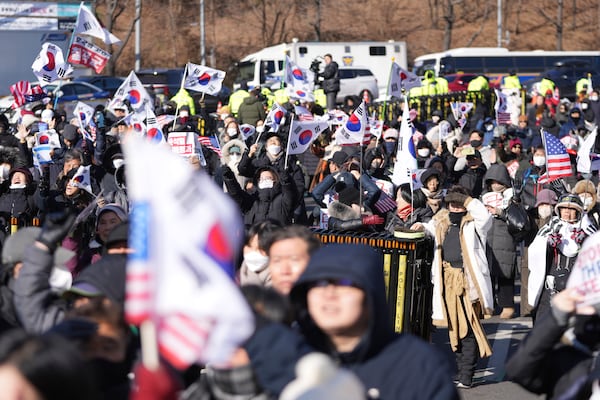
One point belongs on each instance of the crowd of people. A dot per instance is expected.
(483, 193)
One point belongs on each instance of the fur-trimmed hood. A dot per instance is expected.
(225, 158)
(339, 210)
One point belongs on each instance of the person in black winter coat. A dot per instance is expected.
(543, 365)
(273, 199)
(16, 199)
(501, 246)
(357, 333)
(471, 178)
(331, 81)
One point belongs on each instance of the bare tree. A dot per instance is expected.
(113, 10)
(449, 19)
(556, 22)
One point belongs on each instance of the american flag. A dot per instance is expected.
(558, 162)
(19, 90)
(385, 203)
(210, 142)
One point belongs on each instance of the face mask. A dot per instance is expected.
(587, 202)
(539, 161)
(435, 119)
(184, 114)
(475, 143)
(389, 147)
(456, 217)
(423, 152)
(593, 98)
(489, 127)
(274, 149)
(255, 261)
(544, 211)
(232, 132)
(584, 106)
(235, 158)
(260, 129)
(266, 184)
(18, 186)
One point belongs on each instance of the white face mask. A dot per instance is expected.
(184, 114)
(544, 211)
(256, 261)
(273, 149)
(266, 184)
(232, 132)
(260, 129)
(235, 158)
(584, 106)
(423, 152)
(593, 98)
(539, 161)
(587, 202)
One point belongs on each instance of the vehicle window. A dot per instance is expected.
(377, 50)
(68, 90)
(81, 89)
(245, 71)
(498, 64)
(150, 78)
(468, 64)
(346, 73)
(530, 64)
(447, 66)
(112, 82)
(363, 72)
(424, 66)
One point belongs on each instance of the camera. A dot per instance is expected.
(315, 66)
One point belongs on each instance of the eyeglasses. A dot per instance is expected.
(341, 282)
(235, 154)
(517, 146)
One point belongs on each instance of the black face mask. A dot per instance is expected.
(456, 217)
(475, 143)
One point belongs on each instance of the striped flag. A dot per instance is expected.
(210, 142)
(19, 90)
(558, 162)
(181, 273)
(501, 107)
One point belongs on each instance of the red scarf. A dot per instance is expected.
(405, 212)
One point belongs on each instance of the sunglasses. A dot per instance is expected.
(341, 282)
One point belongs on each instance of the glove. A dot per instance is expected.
(578, 235)
(372, 220)
(161, 384)
(228, 173)
(517, 189)
(558, 186)
(55, 229)
(99, 119)
(554, 239)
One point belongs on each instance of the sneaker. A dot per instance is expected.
(461, 385)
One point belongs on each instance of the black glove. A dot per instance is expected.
(228, 173)
(56, 227)
(558, 186)
(517, 189)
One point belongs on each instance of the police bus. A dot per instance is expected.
(496, 62)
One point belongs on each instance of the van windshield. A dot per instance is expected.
(246, 71)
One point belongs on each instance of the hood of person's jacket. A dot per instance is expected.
(498, 173)
(250, 100)
(226, 150)
(363, 266)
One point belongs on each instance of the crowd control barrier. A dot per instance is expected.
(407, 273)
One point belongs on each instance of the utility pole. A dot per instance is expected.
(499, 23)
(202, 35)
(138, 35)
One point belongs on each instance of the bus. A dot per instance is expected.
(496, 62)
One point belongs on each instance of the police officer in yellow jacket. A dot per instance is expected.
(545, 85)
(237, 97)
(183, 98)
(582, 85)
(478, 84)
(511, 81)
(429, 85)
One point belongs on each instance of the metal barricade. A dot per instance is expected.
(407, 274)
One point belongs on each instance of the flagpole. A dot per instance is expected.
(68, 54)
(287, 150)
(542, 133)
(180, 88)
(149, 345)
